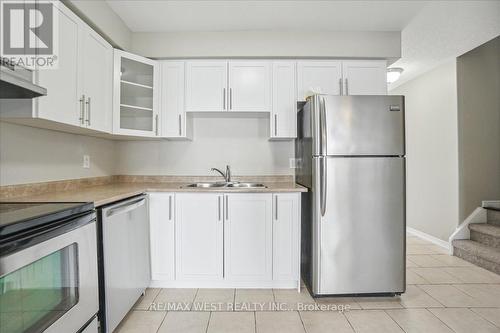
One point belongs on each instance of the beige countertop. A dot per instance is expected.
(107, 193)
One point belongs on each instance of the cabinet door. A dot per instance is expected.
(284, 113)
(63, 91)
(206, 86)
(250, 86)
(248, 236)
(135, 95)
(97, 76)
(319, 76)
(172, 100)
(365, 77)
(162, 217)
(286, 243)
(199, 236)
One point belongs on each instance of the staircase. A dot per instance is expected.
(483, 247)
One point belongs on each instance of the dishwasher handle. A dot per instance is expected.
(125, 207)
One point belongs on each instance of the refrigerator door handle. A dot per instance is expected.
(322, 125)
(322, 179)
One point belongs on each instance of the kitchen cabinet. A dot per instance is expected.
(174, 123)
(206, 86)
(135, 95)
(78, 90)
(248, 236)
(364, 77)
(162, 235)
(249, 86)
(97, 76)
(286, 236)
(199, 236)
(228, 86)
(283, 121)
(321, 76)
(63, 102)
(346, 77)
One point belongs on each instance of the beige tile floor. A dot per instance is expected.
(444, 294)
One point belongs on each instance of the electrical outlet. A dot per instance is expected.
(293, 163)
(86, 161)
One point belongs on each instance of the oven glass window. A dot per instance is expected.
(36, 295)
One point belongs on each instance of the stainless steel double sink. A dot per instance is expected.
(228, 185)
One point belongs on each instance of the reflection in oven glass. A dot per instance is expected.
(36, 295)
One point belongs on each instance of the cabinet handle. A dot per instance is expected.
(230, 98)
(346, 87)
(276, 207)
(218, 207)
(224, 98)
(156, 125)
(82, 109)
(180, 125)
(227, 208)
(275, 125)
(88, 111)
(341, 86)
(170, 208)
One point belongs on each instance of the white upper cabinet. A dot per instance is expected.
(286, 236)
(62, 103)
(248, 236)
(162, 235)
(283, 121)
(199, 236)
(250, 86)
(319, 76)
(206, 86)
(173, 114)
(135, 95)
(97, 81)
(364, 77)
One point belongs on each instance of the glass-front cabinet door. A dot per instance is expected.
(135, 98)
(33, 297)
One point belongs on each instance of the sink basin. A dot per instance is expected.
(206, 185)
(226, 185)
(246, 185)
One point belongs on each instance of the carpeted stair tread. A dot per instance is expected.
(476, 249)
(486, 228)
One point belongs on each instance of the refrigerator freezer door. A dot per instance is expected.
(360, 241)
(358, 125)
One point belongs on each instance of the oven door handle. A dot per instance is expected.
(126, 207)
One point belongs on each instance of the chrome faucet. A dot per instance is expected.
(226, 175)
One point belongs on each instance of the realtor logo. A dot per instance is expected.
(28, 36)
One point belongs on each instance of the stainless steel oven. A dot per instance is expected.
(48, 272)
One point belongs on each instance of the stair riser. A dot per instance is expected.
(485, 239)
(491, 266)
(493, 217)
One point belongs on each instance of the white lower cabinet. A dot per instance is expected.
(286, 236)
(248, 234)
(218, 240)
(199, 236)
(162, 235)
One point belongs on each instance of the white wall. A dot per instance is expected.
(104, 20)
(30, 155)
(432, 150)
(317, 44)
(478, 79)
(242, 143)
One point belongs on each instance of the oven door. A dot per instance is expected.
(51, 286)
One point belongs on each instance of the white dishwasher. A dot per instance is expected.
(124, 260)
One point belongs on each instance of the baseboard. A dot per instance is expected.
(434, 240)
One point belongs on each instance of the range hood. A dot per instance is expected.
(17, 82)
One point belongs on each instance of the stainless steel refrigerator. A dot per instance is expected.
(350, 154)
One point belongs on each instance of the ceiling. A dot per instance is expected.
(237, 15)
